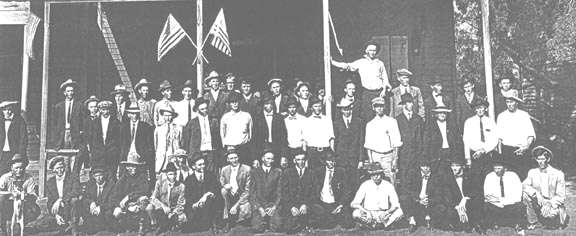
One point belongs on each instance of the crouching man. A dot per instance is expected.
(129, 197)
(544, 192)
(376, 204)
(63, 192)
(96, 202)
(166, 208)
(235, 180)
(201, 200)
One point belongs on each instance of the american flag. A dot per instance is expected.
(30, 29)
(172, 34)
(220, 38)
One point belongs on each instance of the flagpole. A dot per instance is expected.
(199, 54)
(327, 66)
(44, 111)
(487, 56)
(25, 70)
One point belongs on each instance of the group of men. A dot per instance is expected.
(275, 161)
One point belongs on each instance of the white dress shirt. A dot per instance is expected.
(181, 107)
(375, 197)
(423, 190)
(7, 124)
(442, 127)
(295, 130)
(215, 94)
(104, 121)
(277, 101)
(318, 131)
(372, 73)
(67, 106)
(512, 189)
(514, 128)
(206, 136)
(471, 135)
(382, 134)
(327, 195)
(304, 103)
(268, 117)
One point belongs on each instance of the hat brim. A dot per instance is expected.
(119, 92)
(73, 84)
(8, 104)
(538, 148)
(442, 110)
(131, 163)
(375, 172)
(174, 114)
(138, 85)
(207, 79)
(272, 81)
(515, 99)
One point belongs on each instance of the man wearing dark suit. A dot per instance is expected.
(121, 103)
(456, 202)
(331, 200)
(83, 160)
(415, 193)
(298, 193)
(137, 136)
(217, 98)
(352, 97)
(63, 192)
(411, 126)
(96, 202)
(269, 121)
(404, 76)
(464, 102)
(235, 181)
(442, 140)
(201, 136)
(13, 135)
(250, 101)
(435, 99)
(202, 201)
(104, 140)
(265, 194)
(67, 119)
(349, 136)
(303, 96)
(275, 92)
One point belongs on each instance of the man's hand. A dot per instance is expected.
(478, 153)
(468, 163)
(303, 209)
(463, 217)
(124, 201)
(56, 206)
(521, 150)
(270, 211)
(117, 212)
(166, 210)
(360, 164)
(262, 212)
(294, 211)
(423, 201)
(227, 187)
(540, 199)
(60, 220)
(234, 210)
(337, 210)
(386, 215)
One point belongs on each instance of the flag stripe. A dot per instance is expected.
(220, 39)
(171, 39)
(171, 35)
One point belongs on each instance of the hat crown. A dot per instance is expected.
(119, 87)
(378, 100)
(133, 158)
(180, 152)
(165, 84)
(403, 72)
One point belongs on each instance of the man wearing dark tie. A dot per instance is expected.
(465, 102)
(96, 202)
(297, 195)
(13, 135)
(411, 126)
(184, 106)
(104, 141)
(265, 195)
(67, 119)
(121, 102)
(269, 128)
(201, 200)
(201, 136)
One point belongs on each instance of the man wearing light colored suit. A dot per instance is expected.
(404, 76)
(235, 181)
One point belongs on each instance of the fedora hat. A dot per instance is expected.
(374, 168)
(169, 109)
(189, 84)
(7, 104)
(19, 158)
(291, 102)
(178, 153)
(97, 170)
(91, 99)
(541, 150)
(133, 108)
(55, 160)
(141, 83)
(212, 75)
(442, 109)
(119, 89)
(404, 98)
(105, 104)
(164, 85)
(133, 159)
(69, 82)
(278, 80)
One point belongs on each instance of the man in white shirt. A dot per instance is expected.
(383, 140)
(295, 125)
(236, 128)
(480, 140)
(516, 134)
(318, 134)
(235, 181)
(121, 102)
(165, 89)
(503, 197)
(373, 76)
(184, 107)
(376, 203)
(63, 192)
(545, 192)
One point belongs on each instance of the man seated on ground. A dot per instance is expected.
(201, 201)
(415, 193)
(11, 185)
(331, 204)
(166, 208)
(545, 192)
(129, 197)
(265, 193)
(235, 181)
(503, 197)
(63, 192)
(376, 203)
(297, 195)
(96, 202)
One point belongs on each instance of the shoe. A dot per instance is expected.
(519, 230)
(531, 226)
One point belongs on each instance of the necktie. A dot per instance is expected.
(330, 175)
(181, 176)
(168, 137)
(189, 110)
(347, 123)
(99, 191)
(69, 112)
(120, 112)
(132, 132)
(300, 173)
(201, 178)
(482, 138)
(502, 186)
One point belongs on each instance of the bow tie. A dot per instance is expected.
(544, 171)
(438, 95)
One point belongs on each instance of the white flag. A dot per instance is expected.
(220, 38)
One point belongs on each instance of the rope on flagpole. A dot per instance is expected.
(201, 49)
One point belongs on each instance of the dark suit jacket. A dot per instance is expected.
(192, 136)
(216, 108)
(250, 105)
(339, 185)
(265, 189)
(58, 124)
(104, 152)
(410, 189)
(260, 132)
(499, 103)
(297, 191)
(114, 111)
(463, 109)
(433, 140)
(283, 102)
(104, 200)
(412, 135)
(194, 189)
(143, 141)
(132, 186)
(444, 191)
(305, 111)
(430, 103)
(71, 189)
(348, 141)
(17, 136)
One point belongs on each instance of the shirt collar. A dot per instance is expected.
(10, 118)
(58, 178)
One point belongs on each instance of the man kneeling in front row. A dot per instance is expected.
(376, 204)
(166, 208)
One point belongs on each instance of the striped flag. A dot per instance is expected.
(172, 34)
(30, 29)
(220, 38)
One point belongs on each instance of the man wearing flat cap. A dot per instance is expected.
(137, 136)
(13, 135)
(235, 180)
(318, 135)
(166, 208)
(442, 140)
(63, 192)
(121, 102)
(96, 202)
(516, 134)
(411, 127)
(404, 76)
(373, 76)
(217, 106)
(167, 138)
(436, 98)
(184, 106)
(145, 101)
(104, 140)
(165, 89)
(66, 120)
(13, 183)
(465, 101)
(544, 192)
(236, 128)
(382, 140)
(376, 204)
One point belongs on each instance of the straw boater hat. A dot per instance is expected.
(212, 75)
(104, 104)
(178, 153)
(133, 109)
(55, 160)
(91, 99)
(404, 98)
(515, 96)
(442, 109)
(141, 83)
(68, 82)
(541, 150)
(119, 89)
(19, 158)
(278, 80)
(164, 85)
(133, 159)
(403, 72)
(7, 104)
(344, 103)
(169, 109)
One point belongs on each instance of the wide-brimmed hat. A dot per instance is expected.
(55, 160)
(19, 158)
(97, 170)
(169, 109)
(404, 98)
(479, 102)
(541, 150)
(133, 159)
(189, 84)
(442, 109)
(119, 89)
(104, 104)
(91, 99)
(378, 101)
(212, 75)
(374, 168)
(141, 83)
(164, 85)
(515, 96)
(279, 80)
(344, 103)
(7, 104)
(133, 108)
(170, 167)
(178, 153)
(69, 82)
(403, 72)
(371, 43)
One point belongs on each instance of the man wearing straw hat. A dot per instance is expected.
(63, 192)
(382, 140)
(13, 135)
(137, 136)
(165, 89)
(83, 159)
(66, 121)
(104, 140)
(217, 97)
(121, 102)
(145, 101)
(442, 140)
(167, 137)
(545, 192)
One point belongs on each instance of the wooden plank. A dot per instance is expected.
(112, 1)
(13, 17)
(44, 111)
(398, 55)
